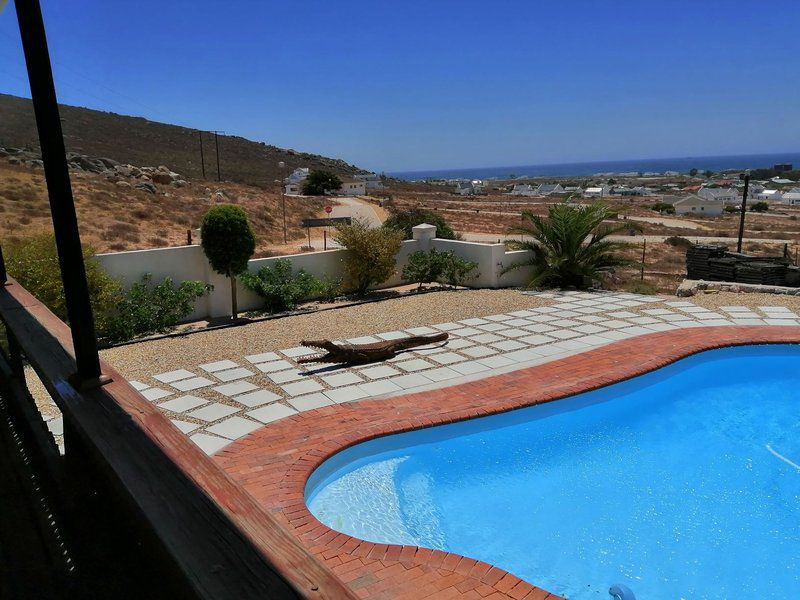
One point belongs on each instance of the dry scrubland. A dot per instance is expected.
(114, 219)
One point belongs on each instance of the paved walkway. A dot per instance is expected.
(219, 402)
(274, 463)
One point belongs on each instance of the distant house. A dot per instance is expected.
(469, 188)
(792, 198)
(573, 189)
(729, 196)
(372, 181)
(695, 205)
(352, 187)
(293, 189)
(547, 189)
(298, 175)
(596, 192)
(769, 195)
(523, 189)
(781, 181)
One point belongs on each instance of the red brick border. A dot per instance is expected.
(274, 463)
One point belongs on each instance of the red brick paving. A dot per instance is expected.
(274, 463)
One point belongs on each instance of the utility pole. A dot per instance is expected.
(743, 212)
(202, 157)
(216, 147)
(59, 191)
(281, 167)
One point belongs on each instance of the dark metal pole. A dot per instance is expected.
(3, 274)
(743, 212)
(59, 190)
(283, 202)
(644, 253)
(216, 145)
(202, 156)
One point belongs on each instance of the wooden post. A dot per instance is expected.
(3, 274)
(644, 253)
(188, 237)
(202, 157)
(324, 239)
(743, 212)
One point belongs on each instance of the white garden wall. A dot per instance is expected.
(189, 263)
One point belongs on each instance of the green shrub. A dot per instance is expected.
(282, 289)
(33, 262)
(663, 207)
(760, 207)
(146, 309)
(370, 257)
(677, 241)
(318, 183)
(228, 242)
(435, 266)
(403, 221)
(731, 209)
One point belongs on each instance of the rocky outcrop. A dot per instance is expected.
(691, 287)
(143, 178)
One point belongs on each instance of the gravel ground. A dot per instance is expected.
(146, 358)
(714, 299)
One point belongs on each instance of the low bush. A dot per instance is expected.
(760, 207)
(403, 221)
(435, 266)
(283, 289)
(677, 241)
(371, 252)
(146, 309)
(664, 208)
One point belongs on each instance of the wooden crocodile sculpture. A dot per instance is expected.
(359, 354)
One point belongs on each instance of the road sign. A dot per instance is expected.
(329, 209)
(327, 222)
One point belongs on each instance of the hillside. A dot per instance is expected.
(137, 141)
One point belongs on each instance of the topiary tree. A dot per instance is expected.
(404, 220)
(318, 183)
(371, 253)
(228, 242)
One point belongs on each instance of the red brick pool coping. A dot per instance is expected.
(274, 462)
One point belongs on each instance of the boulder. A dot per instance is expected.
(123, 184)
(147, 186)
(161, 177)
(179, 183)
(109, 163)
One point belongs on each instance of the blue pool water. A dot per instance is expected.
(683, 483)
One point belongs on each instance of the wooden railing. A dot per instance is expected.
(200, 530)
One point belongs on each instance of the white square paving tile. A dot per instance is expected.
(657, 311)
(393, 335)
(138, 385)
(539, 328)
(473, 322)
(379, 372)
(220, 365)
(773, 309)
(184, 426)
(508, 345)
(410, 381)
(622, 314)
(378, 388)
(528, 313)
(613, 324)
(781, 315)
(272, 412)
(494, 362)
(589, 328)
(413, 365)
(364, 339)
(301, 387)
(679, 303)
(213, 412)
(644, 320)
(614, 335)
(298, 351)
(447, 358)
(341, 379)
(489, 327)
(566, 323)
(564, 334)
(523, 356)
(593, 340)
(210, 444)
(487, 338)
(171, 376)
(747, 321)
(263, 357)
(346, 394)
(459, 343)
(236, 388)
(257, 398)
(442, 374)
(570, 345)
(286, 376)
(735, 309)
(234, 428)
(470, 367)
(513, 333)
(498, 317)
(187, 385)
(233, 374)
(310, 402)
(774, 321)
(182, 404)
(536, 340)
(479, 351)
(661, 326)
(466, 331)
(155, 393)
(430, 330)
(591, 319)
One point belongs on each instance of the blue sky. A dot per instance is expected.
(439, 84)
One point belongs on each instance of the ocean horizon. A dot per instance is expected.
(588, 169)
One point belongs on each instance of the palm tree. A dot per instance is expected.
(569, 247)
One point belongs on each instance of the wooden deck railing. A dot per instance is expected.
(205, 532)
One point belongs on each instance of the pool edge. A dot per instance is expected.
(275, 462)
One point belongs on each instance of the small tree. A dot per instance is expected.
(405, 220)
(760, 207)
(228, 242)
(318, 183)
(371, 254)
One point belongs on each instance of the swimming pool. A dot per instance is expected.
(682, 483)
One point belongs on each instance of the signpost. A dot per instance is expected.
(329, 209)
(330, 221)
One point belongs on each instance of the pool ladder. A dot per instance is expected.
(619, 591)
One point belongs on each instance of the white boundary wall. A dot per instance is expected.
(189, 263)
